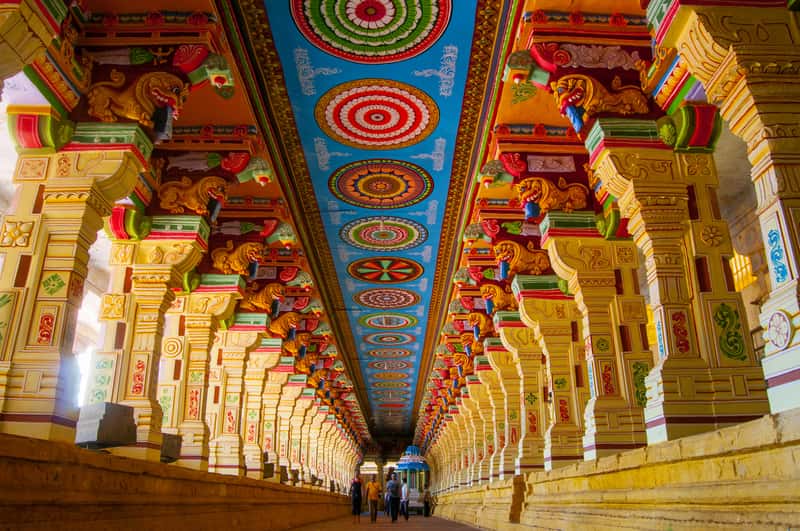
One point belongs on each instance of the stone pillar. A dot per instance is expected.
(273, 388)
(467, 410)
(262, 359)
(212, 303)
(174, 246)
(495, 442)
(291, 392)
(613, 419)
(61, 201)
(296, 443)
(521, 343)
(226, 454)
(553, 319)
(482, 419)
(307, 477)
(502, 362)
(26, 29)
(697, 316)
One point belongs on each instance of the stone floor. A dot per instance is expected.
(414, 523)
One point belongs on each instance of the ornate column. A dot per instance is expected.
(315, 438)
(502, 362)
(745, 55)
(296, 443)
(61, 201)
(273, 388)
(226, 446)
(593, 268)
(553, 318)
(521, 343)
(261, 361)
(159, 263)
(686, 392)
(495, 441)
(472, 421)
(478, 403)
(26, 30)
(311, 416)
(291, 392)
(183, 401)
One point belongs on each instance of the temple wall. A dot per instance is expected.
(43, 483)
(741, 477)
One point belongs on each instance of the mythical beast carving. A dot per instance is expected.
(108, 101)
(178, 196)
(236, 261)
(264, 298)
(586, 92)
(521, 259)
(548, 196)
(501, 299)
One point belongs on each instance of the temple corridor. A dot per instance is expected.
(533, 262)
(384, 523)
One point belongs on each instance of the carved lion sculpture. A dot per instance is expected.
(577, 90)
(520, 259)
(108, 101)
(280, 327)
(502, 299)
(179, 196)
(291, 347)
(566, 197)
(317, 376)
(484, 324)
(303, 366)
(236, 261)
(262, 299)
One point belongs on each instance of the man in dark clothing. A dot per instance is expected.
(393, 488)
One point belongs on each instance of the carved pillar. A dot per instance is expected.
(291, 392)
(521, 343)
(474, 428)
(61, 200)
(273, 388)
(174, 246)
(746, 56)
(296, 443)
(482, 419)
(312, 415)
(495, 441)
(552, 317)
(226, 447)
(185, 399)
(503, 363)
(592, 266)
(26, 29)
(692, 305)
(262, 359)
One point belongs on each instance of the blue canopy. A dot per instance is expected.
(411, 460)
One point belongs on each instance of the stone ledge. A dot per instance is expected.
(42, 482)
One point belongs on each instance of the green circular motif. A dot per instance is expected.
(372, 31)
(388, 320)
(603, 345)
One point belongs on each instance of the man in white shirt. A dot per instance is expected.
(404, 500)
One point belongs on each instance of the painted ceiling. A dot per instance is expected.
(376, 89)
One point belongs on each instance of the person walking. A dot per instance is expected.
(426, 502)
(373, 495)
(356, 489)
(394, 490)
(404, 499)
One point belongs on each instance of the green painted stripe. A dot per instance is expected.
(101, 133)
(532, 282)
(221, 281)
(251, 319)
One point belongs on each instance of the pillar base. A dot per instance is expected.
(611, 428)
(562, 447)
(105, 424)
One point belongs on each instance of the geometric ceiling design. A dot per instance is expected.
(376, 89)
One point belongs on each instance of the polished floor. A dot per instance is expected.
(414, 523)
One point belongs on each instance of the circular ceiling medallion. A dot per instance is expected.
(388, 320)
(384, 234)
(385, 270)
(376, 114)
(390, 392)
(395, 339)
(389, 353)
(380, 183)
(391, 385)
(372, 31)
(391, 375)
(389, 365)
(387, 298)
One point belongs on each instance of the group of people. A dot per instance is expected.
(395, 499)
